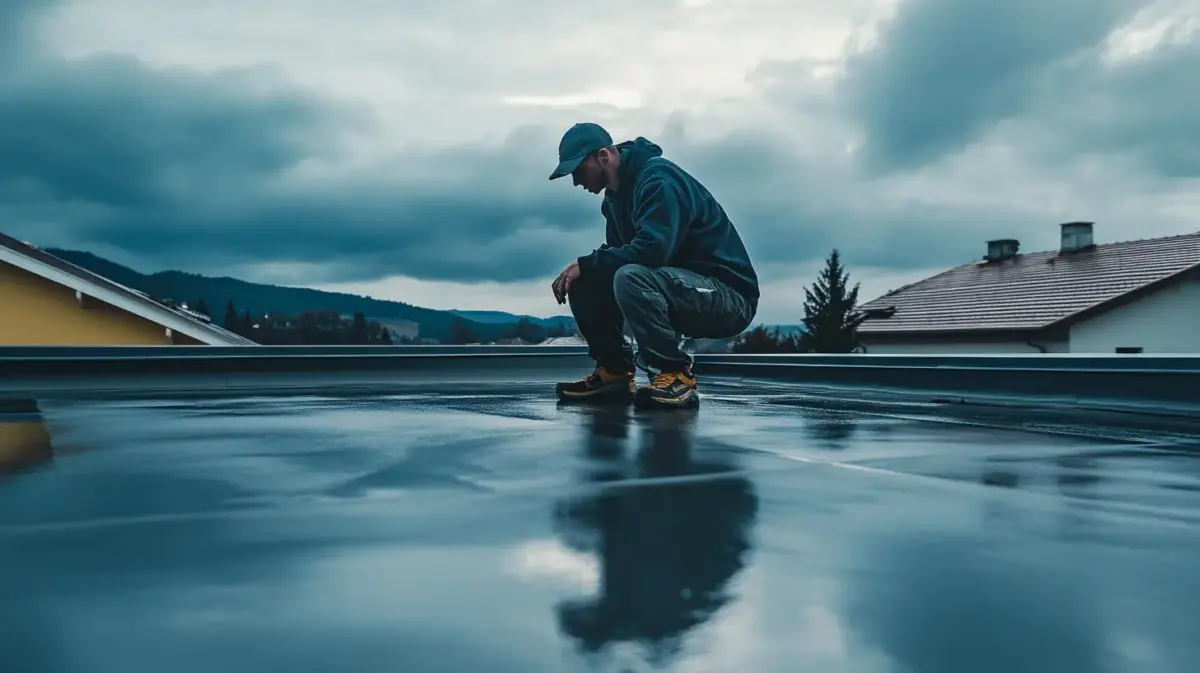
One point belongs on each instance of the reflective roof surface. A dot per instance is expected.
(485, 528)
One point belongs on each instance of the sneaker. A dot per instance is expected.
(669, 389)
(602, 383)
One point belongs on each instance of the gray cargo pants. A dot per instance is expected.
(660, 306)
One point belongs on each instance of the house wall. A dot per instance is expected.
(1167, 321)
(882, 345)
(36, 312)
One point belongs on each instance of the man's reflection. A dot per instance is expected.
(668, 525)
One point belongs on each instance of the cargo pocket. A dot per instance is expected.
(703, 308)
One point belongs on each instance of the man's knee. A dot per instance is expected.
(630, 281)
(589, 289)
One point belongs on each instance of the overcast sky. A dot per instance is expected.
(401, 149)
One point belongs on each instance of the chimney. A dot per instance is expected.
(1002, 249)
(1076, 236)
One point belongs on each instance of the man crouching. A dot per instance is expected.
(672, 266)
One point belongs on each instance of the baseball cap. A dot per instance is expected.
(579, 141)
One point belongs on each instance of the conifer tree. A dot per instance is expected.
(829, 317)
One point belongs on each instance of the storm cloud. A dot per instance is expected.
(239, 165)
(946, 71)
(919, 130)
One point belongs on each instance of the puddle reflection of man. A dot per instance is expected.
(669, 529)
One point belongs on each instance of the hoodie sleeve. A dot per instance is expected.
(660, 215)
(611, 236)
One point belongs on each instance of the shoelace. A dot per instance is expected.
(663, 380)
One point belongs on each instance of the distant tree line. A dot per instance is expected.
(461, 332)
(323, 327)
(327, 327)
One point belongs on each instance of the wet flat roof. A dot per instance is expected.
(483, 527)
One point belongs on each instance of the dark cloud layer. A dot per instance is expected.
(1147, 108)
(174, 168)
(946, 70)
(183, 167)
(108, 131)
(949, 71)
(794, 209)
(14, 15)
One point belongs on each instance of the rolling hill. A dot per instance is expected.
(261, 298)
(500, 317)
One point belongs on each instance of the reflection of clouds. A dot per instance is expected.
(786, 619)
(746, 636)
(548, 560)
(667, 527)
(947, 606)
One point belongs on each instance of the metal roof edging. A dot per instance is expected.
(1160, 384)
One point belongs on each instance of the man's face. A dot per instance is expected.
(589, 174)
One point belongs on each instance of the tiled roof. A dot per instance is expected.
(38, 261)
(1031, 291)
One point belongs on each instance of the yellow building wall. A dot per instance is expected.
(36, 312)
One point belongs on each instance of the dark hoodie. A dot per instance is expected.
(659, 215)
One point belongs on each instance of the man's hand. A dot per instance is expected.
(562, 284)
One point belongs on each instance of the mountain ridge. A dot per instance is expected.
(262, 298)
